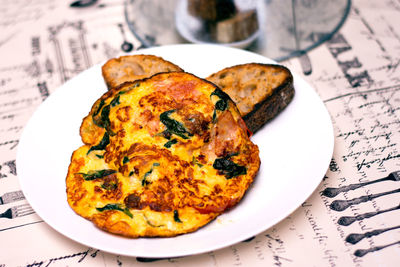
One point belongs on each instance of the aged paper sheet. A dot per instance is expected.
(352, 218)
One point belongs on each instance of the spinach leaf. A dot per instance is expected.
(110, 185)
(172, 125)
(92, 175)
(195, 161)
(102, 145)
(110, 207)
(170, 143)
(137, 84)
(176, 216)
(150, 223)
(221, 94)
(115, 101)
(229, 168)
(101, 104)
(221, 104)
(144, 181)
(214, 116)
(116, 207)
(104, 120)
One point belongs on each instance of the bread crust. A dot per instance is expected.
(260, 91)
(129, 68)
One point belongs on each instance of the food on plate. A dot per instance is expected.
(260, 91)
(162, 156)
(134, 67)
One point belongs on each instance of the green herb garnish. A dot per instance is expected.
(214, 116)
(150, 223)
(229, 168)
(92, 175)
(101, 104)
(115, 101)
(102, 145)
(170, 143)
(110, 185)
(103, 120)
(116, 207)
(144, 180)
(173, 126)
(195, 161)
(221, 104)
(176, 217)
(137, 84)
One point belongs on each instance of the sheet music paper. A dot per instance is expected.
(356, 73)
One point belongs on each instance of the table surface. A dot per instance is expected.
(356, 74)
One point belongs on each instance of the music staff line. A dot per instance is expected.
(341, 205)
(393, 87)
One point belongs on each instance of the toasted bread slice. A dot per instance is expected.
(134, 67)
(260, 91)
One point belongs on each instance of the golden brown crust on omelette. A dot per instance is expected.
(162, 156)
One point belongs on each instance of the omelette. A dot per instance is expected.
(162, 156)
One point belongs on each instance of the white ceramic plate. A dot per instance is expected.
(295, 150)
